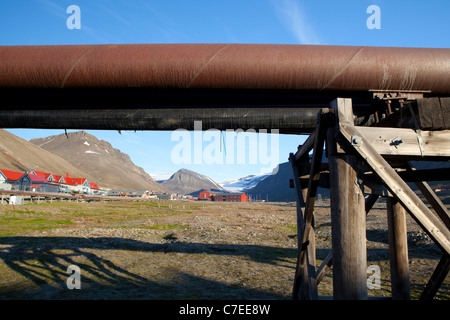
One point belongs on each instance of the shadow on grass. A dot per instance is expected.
(44, 261)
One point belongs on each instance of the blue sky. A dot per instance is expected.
(327, 22)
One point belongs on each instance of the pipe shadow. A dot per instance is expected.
(44, 261)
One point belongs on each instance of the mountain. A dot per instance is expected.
(110, 167)
(20, 155)
(276, 187)
(190, 183)
(243, 184)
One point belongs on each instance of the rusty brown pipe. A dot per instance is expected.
(168, 86)
(226, 66)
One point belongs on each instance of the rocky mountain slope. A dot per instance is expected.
(110, 167)
(276, 187)
(17, 154)
(190, 183)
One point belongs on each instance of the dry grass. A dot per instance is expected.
(176, 250)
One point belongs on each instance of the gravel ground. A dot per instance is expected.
(192, 251)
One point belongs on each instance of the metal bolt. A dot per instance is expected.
(356, 140)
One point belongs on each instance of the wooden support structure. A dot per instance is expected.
(348, 221)
(398, 250)
(437, 278)
(363, 164)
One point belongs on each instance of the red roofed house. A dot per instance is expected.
(58, 178)
(18, 180)
(3, 184)
(55, 181)
(80, 185)
(2, 177)
(46, 175)
(94, 188)
(40, 184)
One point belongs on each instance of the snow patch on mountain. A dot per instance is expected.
(244, 183)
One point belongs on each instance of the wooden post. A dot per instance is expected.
(348, 223)
(348, 216)
(398, 250)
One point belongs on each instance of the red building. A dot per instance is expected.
(229, 197)
(205, 195)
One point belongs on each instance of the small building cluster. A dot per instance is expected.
(38, 181)
(223, 196)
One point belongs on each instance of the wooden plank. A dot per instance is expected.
(418, 210)
(445, 109)
(305, 286)
(306, 262)
(441, 174)
(306, 147)
(307, 253)
(324, 267)
(433, 199)
(386, 141)
(314, 176)
(398, 250)
(433, 113)
(435, 202)
(437, 278)
(299, 290)
(373, 185)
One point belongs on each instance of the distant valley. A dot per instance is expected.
(83, 155)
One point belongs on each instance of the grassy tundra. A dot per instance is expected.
(177, 250)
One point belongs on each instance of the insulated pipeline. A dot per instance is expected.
(226, 66)
(168, 86)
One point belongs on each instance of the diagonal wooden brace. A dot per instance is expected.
(435, 228)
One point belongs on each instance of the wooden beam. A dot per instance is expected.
(398, 250)
(306, 262)
(435, 202)
(400, 142)
(437, 278)
(299, 290)
(305, 287)
(418, 210)
(433, 199)
(433, 113)
(306, 147)
(324, 267)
